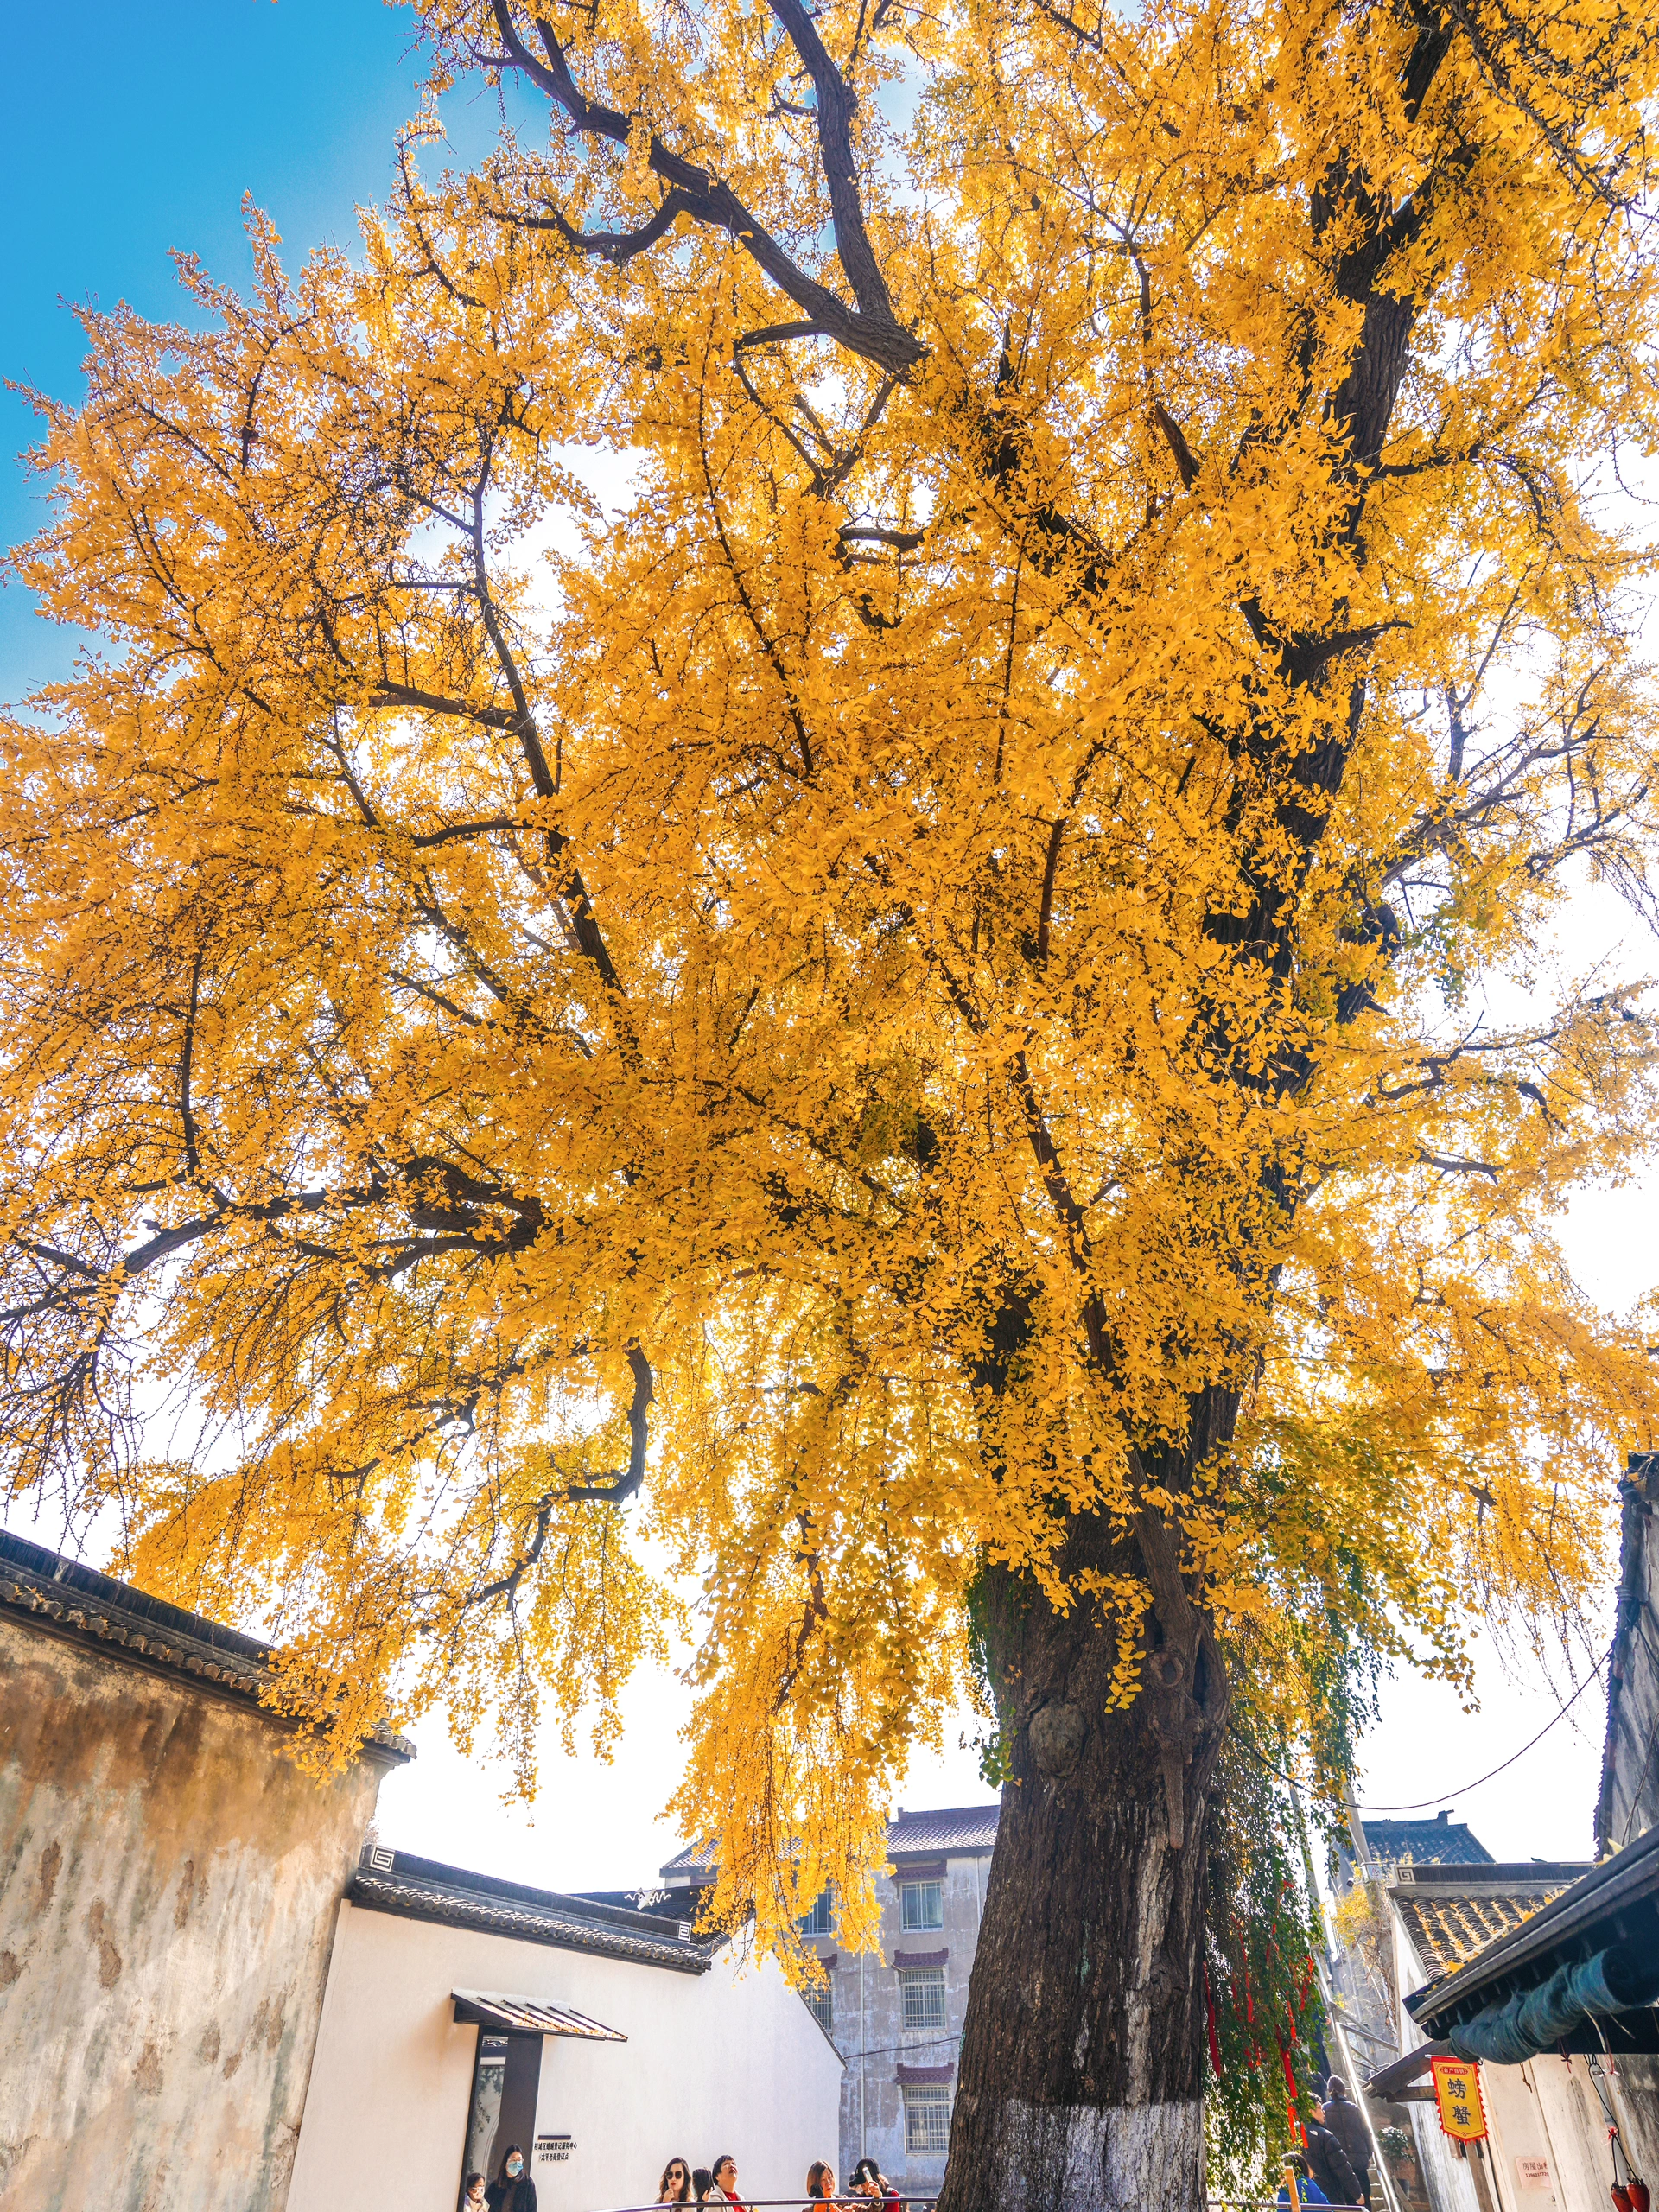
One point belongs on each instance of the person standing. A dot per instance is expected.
(724, 2183)
(820, 2179)
(512, 2189)
(675, 2187)
(472, 2194)
(1347, 2123)
(1328, 2159)
(701, 2182)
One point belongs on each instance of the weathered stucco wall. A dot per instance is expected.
(168, 1883)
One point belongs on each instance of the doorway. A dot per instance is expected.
(506, 2080)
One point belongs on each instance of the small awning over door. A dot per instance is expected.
(524, 2016)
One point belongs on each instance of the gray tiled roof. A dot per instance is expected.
(958, 1828)
(68, 1599)
(955, 1829)
(424, 1889)
(1439, 1841)
(1448, 1926)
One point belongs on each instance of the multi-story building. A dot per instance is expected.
(896, 2015)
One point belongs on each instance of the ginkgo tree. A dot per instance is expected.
(896, 1033)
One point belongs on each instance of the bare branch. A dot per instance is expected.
(613, 1488)
(1449, 1165)
(872, 332)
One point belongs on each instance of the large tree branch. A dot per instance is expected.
(836, 104)
(618, 247)
(613, 1489)
(623, 1482)
(583, 921)
(874, 334)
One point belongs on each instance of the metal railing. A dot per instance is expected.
(850, 2199)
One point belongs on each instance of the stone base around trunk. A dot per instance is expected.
(1091, 2158)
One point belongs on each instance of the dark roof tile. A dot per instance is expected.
(1439, 1841)
(1448, 1925)
(954, 1830)
(68, 1599)
(425, 1889)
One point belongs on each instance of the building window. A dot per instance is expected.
(820, 2004)
(821, 1921)
(921, 1906)
(923, 1990)
(927, 2119)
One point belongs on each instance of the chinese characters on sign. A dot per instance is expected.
(1457, 2092)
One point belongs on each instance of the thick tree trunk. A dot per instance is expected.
(1080, 2083)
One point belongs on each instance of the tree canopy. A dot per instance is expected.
(925, 974)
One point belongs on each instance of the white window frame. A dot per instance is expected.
(918, 1988)
(913, 1903)
(927, 2119)
(820, 2004)
(821, 1921)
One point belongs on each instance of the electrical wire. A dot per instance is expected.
(1423, 1803)
(915, 2046)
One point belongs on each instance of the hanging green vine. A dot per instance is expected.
(1266, 2017)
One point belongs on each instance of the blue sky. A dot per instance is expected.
(118, 148)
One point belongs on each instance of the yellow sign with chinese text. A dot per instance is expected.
(1457, 2092)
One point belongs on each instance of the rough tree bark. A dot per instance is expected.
(1081, 2080)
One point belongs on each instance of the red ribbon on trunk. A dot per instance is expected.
(1209, 2022)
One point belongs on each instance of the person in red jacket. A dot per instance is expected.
(724, 2184)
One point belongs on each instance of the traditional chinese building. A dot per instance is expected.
(464, 2013)
(1547, 1976)
(220, 1993)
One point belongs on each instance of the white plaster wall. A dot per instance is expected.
(1517, 2131)
(1577, 2133)
(730, 2060)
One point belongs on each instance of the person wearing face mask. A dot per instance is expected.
(512, 2189)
